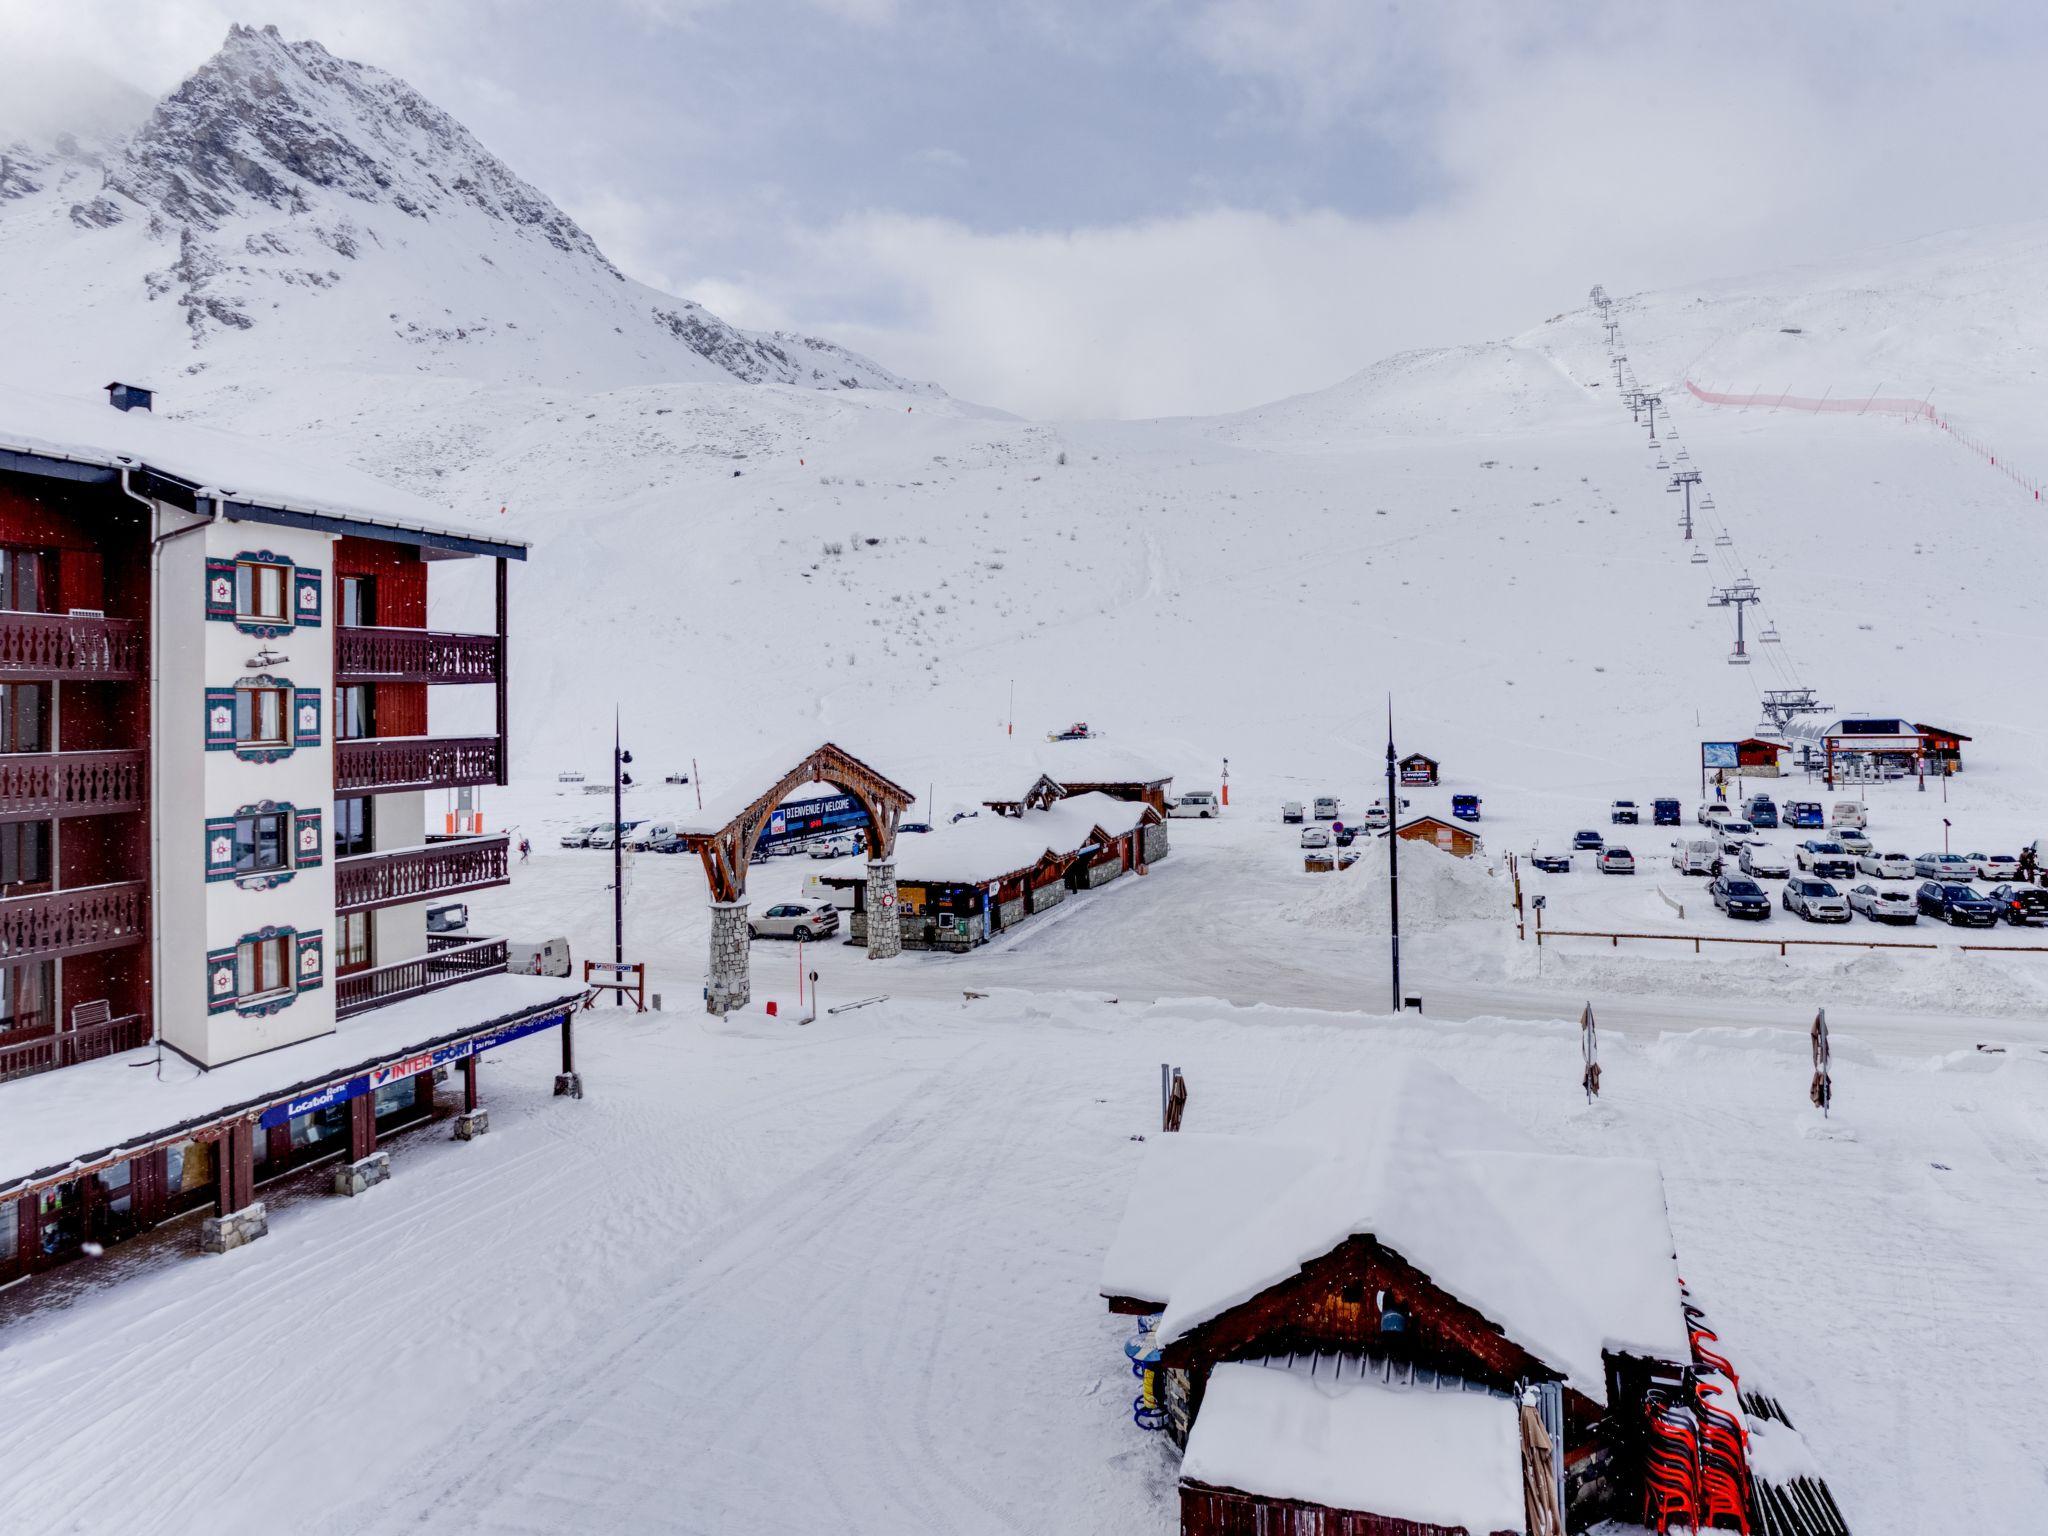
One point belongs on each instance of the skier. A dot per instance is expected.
(525, 850)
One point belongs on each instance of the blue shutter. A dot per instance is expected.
(312, 961)
(220, 589)
(306, 717)
(220, 719)
(220, 848)
(306, 840)
(306, 597)
(220, 980)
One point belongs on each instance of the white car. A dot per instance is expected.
(1376, 818)
(1713, 812)
(1328, 807)
(1886, 866)
(1617, 861)
(1735, 829)
(1290, 810)
(1996, 868)
(1856, 841)
(1948, 868)
(833, 845)
(1814, 900)
(1884, 906)
(1761, 862)
(1314, 837)
(799, 920)
(1823, 856)
(579, 837)
(1695, 856)
(609, 832)
(1199, 803)
(1847, 813)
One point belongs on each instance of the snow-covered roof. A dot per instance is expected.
(1334, 1434)
(1073, 816)
(1571, 1256)
(256, 474)
(975, 851)
(1191, 1186)
(1095, 761)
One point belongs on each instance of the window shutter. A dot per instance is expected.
(220, 719)
(220, 848)
(220, 589)
(312, 961)
(306, 717)
(306, 599)
(306, 840)
(220, 979)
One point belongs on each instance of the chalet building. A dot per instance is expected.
(1418, 770)
(1863, 746)
(1941, 747)
(1447, 835)
(215, 761)
(1392, 1315)
(1756, 758)
(1101, 767)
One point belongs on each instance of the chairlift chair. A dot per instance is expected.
(1699, 556)
(1770, 635)
(1662, 463)
(1707, 502)
(1722, 541)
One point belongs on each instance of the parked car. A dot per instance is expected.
(1697, 856)
(1815, 900)
(1666, 813)
(914, 826)
(1343, 835)
(1740, 898)
(1950, 868)
(1851, 838)
(1886, 866)
(834, 845)
(1804, 813)
(608, 833)
(1713, 812)
(1314, 837)
(1826, 858)
(1589, 841)
(542, 957)
(1376, 819)
(1203, 804)
(579, 837)
(1957, 905)
(2022, 905)
(449, 917)
(1764, 862)
(1848, 813)
(655, 837)
(1464, 807)
(1623, 813)
(1736, 829)
(795, 920)
(1999, 868)
(1761, 811)
(1883, 905)
(1290, 810)
(1328, 807)
(1617, 860)
(1552, 863)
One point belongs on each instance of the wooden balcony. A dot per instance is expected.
(38, 785)
(382, 984)
(369, 654)
(73, 922)
(372, 880)
(56, 645)
(379, 764)
(67, 1047)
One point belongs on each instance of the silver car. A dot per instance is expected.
(795, 920)
(1814, 900)
(1886, 866)
(1764, 863)
(1948, 868)
(1852, 839)
(1884, 906)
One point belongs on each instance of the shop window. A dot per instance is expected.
(28, 996)
(397, 1098)
(262, 966)
(358, 712)
(261, 591)
(118, 1186)
(10, 1234)
(24, 717)
(358, 949)
(320, 1128)
(355, 829)
(262, 842)
(260, 716)
(359, 600)
(26, 578)
(24, 857)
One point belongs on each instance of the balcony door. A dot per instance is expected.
(27, 578)
(24, 857)
(24, 717)
(358, 943)
(359, 601)
(356, 714)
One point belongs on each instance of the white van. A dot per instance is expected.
(655, 836)
(1697, 856)
(1848, 813)
(548, 957)
(1196, 802)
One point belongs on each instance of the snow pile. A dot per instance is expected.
(1437, 889)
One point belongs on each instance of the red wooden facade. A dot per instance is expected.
(1206, 1511)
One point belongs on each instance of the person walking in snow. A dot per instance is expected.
(525, 850)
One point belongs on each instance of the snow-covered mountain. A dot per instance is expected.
(285, 205)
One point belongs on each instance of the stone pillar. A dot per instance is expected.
(364, 1173)
(885, 923)
(731, 983)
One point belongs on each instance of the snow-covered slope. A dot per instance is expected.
(284, 208)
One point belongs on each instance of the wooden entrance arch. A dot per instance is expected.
(726, 849)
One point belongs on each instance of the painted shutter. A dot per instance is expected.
(220, 848)
(312, 961)
(220, 589)
(220, 979)
(306, 717)
(306, 586)
(306, 844)
(220, 719)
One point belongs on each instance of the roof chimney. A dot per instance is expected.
(129, 397)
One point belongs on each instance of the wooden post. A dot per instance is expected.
(469, 1084)
(362, 1126)
(234, 1180)
(504, 714)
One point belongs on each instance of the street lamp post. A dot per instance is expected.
(1393, 861)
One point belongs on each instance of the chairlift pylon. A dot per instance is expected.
(1737, 659)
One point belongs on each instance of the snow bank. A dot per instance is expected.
(1436, 888)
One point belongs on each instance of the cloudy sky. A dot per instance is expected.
(1139, 207)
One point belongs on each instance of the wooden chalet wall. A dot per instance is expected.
(401, 603)
(1207, 1511)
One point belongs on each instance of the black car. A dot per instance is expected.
(1957, 905)
(2022, 904)
(1344, 835)
(1739, 897)
(1553, 863)
(1589, 840)
(913, 826)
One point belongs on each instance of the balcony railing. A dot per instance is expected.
(378, 654)
(62, 645)
(68, 1047)
(42, 784)
(73, 922)
(423, 973)
(373, 880)
(373, 764)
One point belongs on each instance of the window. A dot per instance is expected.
(25, 579)
(359, 600)
(358, 712)
(24, 856)
(355, 826)
(260, 716)
(262, 966)
(28, 996)
(24, 717)
(357, 948)
(261, 591)
(262, 841)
